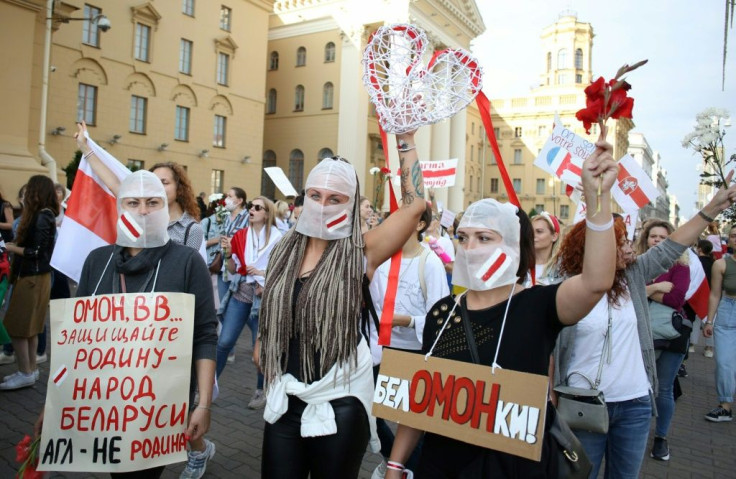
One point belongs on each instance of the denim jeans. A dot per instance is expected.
(724, 332)
(236, 316)
(626, 441)
(668, 364)
(253, 326)
(222, 286)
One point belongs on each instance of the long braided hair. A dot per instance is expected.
(326, 317)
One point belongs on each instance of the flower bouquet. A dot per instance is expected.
(384, 176)
(27, 455)
(707, 140)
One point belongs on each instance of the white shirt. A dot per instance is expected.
(410, 300)
(624, 378)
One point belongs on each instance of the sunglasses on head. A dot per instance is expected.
(257, 207)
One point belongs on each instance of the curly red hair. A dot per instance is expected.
(572, 250)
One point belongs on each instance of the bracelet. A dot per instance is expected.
(403, 146)
(599, 228)
(88, 154)
(203, 407)
(705, 217)
(411, 322)
(396, 466)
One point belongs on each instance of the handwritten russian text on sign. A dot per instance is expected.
(279, 179)
(503, 411)
(118, 392)
(439, 174)
(447, 218)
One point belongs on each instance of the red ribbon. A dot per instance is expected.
(389, 301)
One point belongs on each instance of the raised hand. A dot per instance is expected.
(80, 137)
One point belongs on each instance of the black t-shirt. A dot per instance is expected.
(528, 339)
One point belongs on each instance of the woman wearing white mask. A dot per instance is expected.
(145, 259)
(316, 364)
(495, 253)
(236, 204)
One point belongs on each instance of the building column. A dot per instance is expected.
(458, 127)
(440, 142)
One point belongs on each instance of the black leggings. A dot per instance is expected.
(287, 455)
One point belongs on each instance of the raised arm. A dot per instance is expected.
(688, 233)
(387, 238)
(579, 294)
(102, 171)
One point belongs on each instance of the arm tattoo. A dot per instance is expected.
(417, 179)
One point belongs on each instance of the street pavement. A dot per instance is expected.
(699, 449)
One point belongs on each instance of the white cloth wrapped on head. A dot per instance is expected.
(489, 266)
(135, 230)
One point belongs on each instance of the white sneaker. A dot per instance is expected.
(691, 349)
(41, 358)
(197, 461)
(7, 358)
(36, 374)
(258, 401)
(708, 353)
(231, 358)
(18, 381)
(380, 471)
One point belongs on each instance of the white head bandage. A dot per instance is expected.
(142, 230)
(489, 266)
(319, 219)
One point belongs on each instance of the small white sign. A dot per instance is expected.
(281, 181)
(448, 217)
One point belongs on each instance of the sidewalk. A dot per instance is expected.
(699, 449)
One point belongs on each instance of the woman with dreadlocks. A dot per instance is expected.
(317, 366)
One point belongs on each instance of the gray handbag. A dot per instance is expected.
(582, 408)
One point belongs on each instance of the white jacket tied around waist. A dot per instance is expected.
(318, 418)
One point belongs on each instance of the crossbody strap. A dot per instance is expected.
(606, 353)
(470, 337)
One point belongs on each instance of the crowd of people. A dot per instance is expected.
(309, 276)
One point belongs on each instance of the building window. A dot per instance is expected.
(87, 104)
(271, 102)
(517, 156)
(301, 57)
(90, 30)
(216, 181)
(187, 7)
(538, 208)
(540, 186)
(226, 16)
(563, 188)
(479, 190)
(470, 184)
(549, 61)
(142, 42)
(564, 212)
(137, 114)
(517, 132)
(185, 56)
(218, 138)
(181, 131)
(324, 153)
(578, 78)
(327, 93)
(562, 59)
(579, 59)
(299, 98)
(472, 128)
(494, 185)
(561, 79)
(517, 185)
(273, 64)
(223, 65)
(542, 131)
(472, 153)
(135, 165)
(267, 187)
(296, 169)
(497, 132)
(329, 52)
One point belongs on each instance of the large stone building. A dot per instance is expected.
(179, 81)
(523, 124)
(316, 103)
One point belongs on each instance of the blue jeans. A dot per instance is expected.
(668, 364)
(236, 316)
(724, 333)
(626, 441)
(222, 286)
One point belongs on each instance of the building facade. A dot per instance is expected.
(640, 150)
(177, 81)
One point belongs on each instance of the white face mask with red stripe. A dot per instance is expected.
(135, 230)
(329, 222)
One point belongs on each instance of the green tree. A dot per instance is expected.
(71, 168)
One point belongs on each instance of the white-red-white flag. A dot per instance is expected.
(699, 291)
(91, 215)
(633, 188)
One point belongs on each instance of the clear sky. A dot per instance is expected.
(681, 38)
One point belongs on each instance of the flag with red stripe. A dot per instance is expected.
(698, 292)
(439, 174)
(91, 215)
(633, 188)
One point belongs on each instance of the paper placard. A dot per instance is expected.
(563, 155)
(279, 179)
(447, 219)
(118, 389)
(439, 174)
(630, 219)
(633, 188)
(504, 411)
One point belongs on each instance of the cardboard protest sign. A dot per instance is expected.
(563, 155)
(439, 174)
(118, 392)
(279, 179)
(633, 188)
(504, 411)
(447, 218)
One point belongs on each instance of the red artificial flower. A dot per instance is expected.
(22, 450)
(596, 88)
(385, 171)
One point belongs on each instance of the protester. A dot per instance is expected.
(435, 239)
(31, 277)
(249, 249)
(282, 216)
(213, 226)
(236, 205)
(6, 220)
(130, 266)
(201, 204)
(421, 284)
(546, 241)
(713, 234)
(704, 251)
(506, 318)
(721, 326)
(368, 217)
(316, 364)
